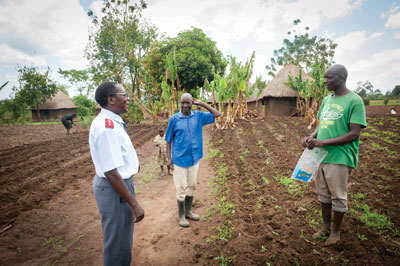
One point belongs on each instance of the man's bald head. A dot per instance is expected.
(338, 70)
(186, 103)
(187, 96)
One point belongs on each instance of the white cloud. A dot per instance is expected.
(50, 28)
(393, 21)
(329, 35)
(381, 69)
(315, 13)
(352, 41)
(11, 57)
(234, 20)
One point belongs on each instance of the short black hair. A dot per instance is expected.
(339, 70)
(103, 92)
(160, 128)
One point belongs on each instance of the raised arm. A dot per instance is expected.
(206, 106)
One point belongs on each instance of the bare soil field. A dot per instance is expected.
(267, 218)
(252, 213)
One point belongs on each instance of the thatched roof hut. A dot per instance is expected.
(55, 107)
(278, 97)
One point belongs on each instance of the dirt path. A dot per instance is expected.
(66, 230)
(158, 239)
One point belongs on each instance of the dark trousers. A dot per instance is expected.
(117, 222)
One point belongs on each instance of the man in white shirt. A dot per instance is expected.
(115, 161)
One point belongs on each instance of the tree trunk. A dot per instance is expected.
(38, 111)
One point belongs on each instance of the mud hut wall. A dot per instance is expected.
(279, 106)
(51, 114)
(252, 106)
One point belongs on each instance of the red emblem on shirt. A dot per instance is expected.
(109, 123)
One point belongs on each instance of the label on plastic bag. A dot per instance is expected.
(308, 164)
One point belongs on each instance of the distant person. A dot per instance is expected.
(67, 121)
(115, 161)
(185, 135)
(161, 145)
(342, 116)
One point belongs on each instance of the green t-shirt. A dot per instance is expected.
(335, 115)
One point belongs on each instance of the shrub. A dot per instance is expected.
(386, 100)
(85, 106)
(366, 101)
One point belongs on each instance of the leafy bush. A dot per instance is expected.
(13, 112)
(87, 121)
(385, 101)
(134, 115)
(85, 106)
(366, 101)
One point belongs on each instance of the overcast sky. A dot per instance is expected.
(54, 32)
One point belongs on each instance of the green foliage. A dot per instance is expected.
(377, 222)
(85, 106)
(34, 87)
(12, 112)
(396, 91)
(79, 79)
(385, 101)
(197, 57)
(366, 101)
(134, 115)
(87, 121)
(119, 42)
(302, 51)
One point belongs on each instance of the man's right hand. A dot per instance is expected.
(138, 212)
(305, 141)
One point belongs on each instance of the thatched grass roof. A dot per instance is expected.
(58, 101)
(278, 88)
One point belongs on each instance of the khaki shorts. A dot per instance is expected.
(331, 184)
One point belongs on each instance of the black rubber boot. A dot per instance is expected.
(188, 209)
(181, 214)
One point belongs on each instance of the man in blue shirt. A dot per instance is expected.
(185, 135)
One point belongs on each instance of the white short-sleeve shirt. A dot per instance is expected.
(111, 147)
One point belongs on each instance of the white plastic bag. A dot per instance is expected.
(308, 164)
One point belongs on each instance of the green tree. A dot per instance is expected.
(302, 51)
(197, 58)
(84, 105)
(365, 89)
(80, 79)
(13, 111)
(311, 92)
(34, 87)
(396, 91)
(118, 44)
(230, 91)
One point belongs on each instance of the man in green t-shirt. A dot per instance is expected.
(342, 116)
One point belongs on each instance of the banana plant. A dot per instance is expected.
(171, 74)
(311, 93)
